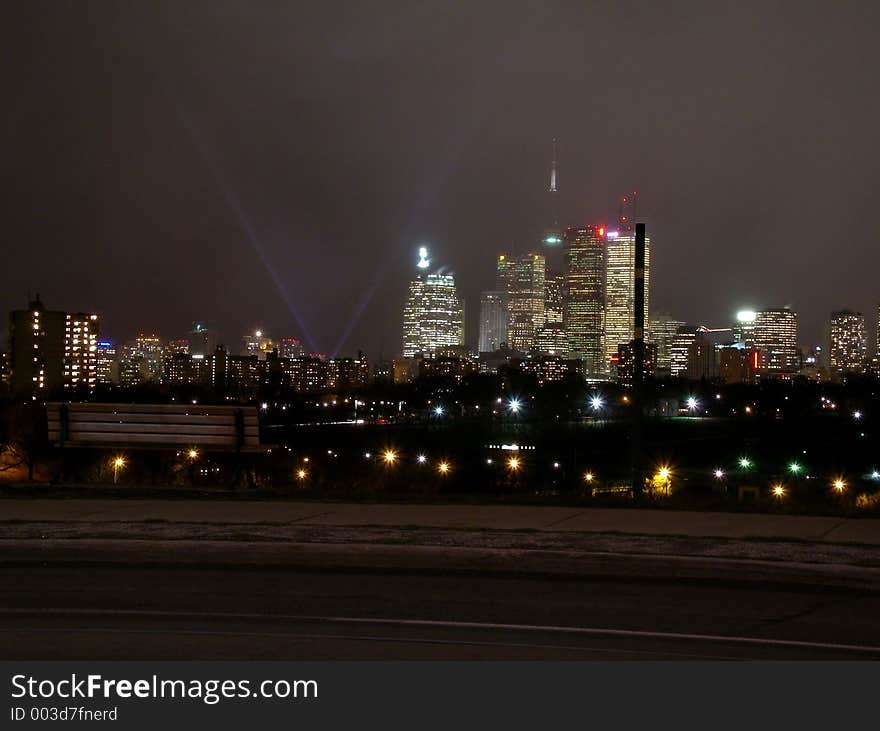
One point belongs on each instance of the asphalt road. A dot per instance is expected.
(82, 612)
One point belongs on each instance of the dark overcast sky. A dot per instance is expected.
(277, 164)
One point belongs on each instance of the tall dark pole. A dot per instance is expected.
(638, 350)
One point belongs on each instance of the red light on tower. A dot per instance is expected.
(601, 230)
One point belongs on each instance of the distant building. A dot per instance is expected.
(49, 350)
(662, 331)
(106, 363)
(739, 364)
(291, 348)
(584, 312)
(257, 343)
(848, 352)
(554, 298)
(626, 363)
(775, 334)
(493, 320)
(552, 340)
(202, 340)
(180, 345)
(141, 360)
(678, 351)
(620, 288)
(433, 315)
(523, 278)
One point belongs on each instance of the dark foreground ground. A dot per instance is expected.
(85, 579)
(89, 612)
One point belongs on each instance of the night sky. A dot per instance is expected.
(277, 164)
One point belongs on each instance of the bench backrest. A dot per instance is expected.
(154, 426)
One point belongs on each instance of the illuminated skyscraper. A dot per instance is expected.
(141, 361)
(202, 340)
(291, 348)
(775, 335)
(523, 280)
(849, 344)
(433, 315)
(554, 298)
(258, 343)
(584, 311)
(620, 248)
(662, 331)
(493, 320)
(106, 367)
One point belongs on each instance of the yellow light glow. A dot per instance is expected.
(778, 490)
(839, 485)
(119, 462)
(513, 463)
(663, 473)
(389, 457)
(193, 453)
(301, 474)
(443, 467)
(589, 477)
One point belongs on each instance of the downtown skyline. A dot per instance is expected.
(756, 194)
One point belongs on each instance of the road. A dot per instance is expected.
(111, 613)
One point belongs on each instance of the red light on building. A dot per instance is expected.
(601, 230)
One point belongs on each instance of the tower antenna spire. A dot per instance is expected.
(553, 169)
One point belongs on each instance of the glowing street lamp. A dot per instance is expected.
(778, 490)
(589, 477)
(514, 405)
(692, 403)
(438, 410)
(794, 468)
(193, 454)
(857, 415)
(513, 463)
(839, 485)
(596, 403)
(301, 474)
(719, 474)
(443, 468)
(118, 464)
(421, 459)
(745, 462)
(390, 457)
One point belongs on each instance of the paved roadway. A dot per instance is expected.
(80, 612)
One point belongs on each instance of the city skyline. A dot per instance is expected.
(280, 183)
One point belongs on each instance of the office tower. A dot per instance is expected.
(106, 366)
(493, 320)
(433, 315)
(291, 348)
(662, 331)
(554, 298)
(552, 340)
(523, 280)
(173, 347)
(849, 344)
(202, 340)
(620, 248)
(744, 329)
(584, 311)
(678, 351)
(257, 343)
(51, 349)
(141, 361)
(775, 335)
(738, 363)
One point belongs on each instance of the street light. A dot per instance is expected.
(692, 403)
(794, 468)
(443, 468)
(302, 474)
(778, 490)
(596, 403)
(390, 457)
(421, 459)
(513, 463)
(745, 462)
(839, 485)
(514, 406)
(719, 474)
(193, 454)
(438, 410)
(118, 464)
